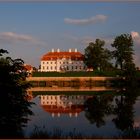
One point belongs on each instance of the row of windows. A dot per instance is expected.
(60, 103)
(54, 62)
(63, 68)
(63, 97)
(55, 103)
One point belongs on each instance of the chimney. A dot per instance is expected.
(58, 50)
(75, 50)
(69, 50)
(52, 50)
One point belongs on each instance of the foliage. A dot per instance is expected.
(2, 51)
(14, 107)
(123, 52)
(57, 133)
(75, 74)
(124, 109)
(131, 133)
(96, 56)
(97, 108)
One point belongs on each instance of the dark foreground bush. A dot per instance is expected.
(56, 133)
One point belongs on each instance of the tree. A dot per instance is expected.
(2, 51)
(96, 56)
(124, 108)
(123, 52)
(97, 107)
(14, 106)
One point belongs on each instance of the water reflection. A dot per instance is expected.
(124, 109)
(61, 104)
(96, 113)
(97, 107)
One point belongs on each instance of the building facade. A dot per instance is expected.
(62, 61)
(58, 105)
(28, 68)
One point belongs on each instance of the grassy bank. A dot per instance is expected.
(96, 73)
(75, 74)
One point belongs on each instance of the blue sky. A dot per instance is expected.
(29, 30)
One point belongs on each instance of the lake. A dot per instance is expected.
(94, 114)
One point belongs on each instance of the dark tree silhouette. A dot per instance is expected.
(97, 108)
(96, 56)
(124, 110)
(14, 106)
(123, 52)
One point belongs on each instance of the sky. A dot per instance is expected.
(30, 30)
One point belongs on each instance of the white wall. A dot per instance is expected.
(59, 64)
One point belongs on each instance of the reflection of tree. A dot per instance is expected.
(96, 108)
(124, 110)
(14, 107)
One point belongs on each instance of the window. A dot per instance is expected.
(51, 62)
(67, 67)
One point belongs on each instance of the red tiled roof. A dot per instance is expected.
(28, 67)
(67, 110)
(60, 55)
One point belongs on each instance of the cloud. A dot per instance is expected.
(136, 37)
(92, 20)
(11, 37)
(135, 34)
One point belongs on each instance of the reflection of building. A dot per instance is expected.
(60, 104)
(63, 61)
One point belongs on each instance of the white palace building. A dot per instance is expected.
(71, 60)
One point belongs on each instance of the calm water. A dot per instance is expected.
(106, 115)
